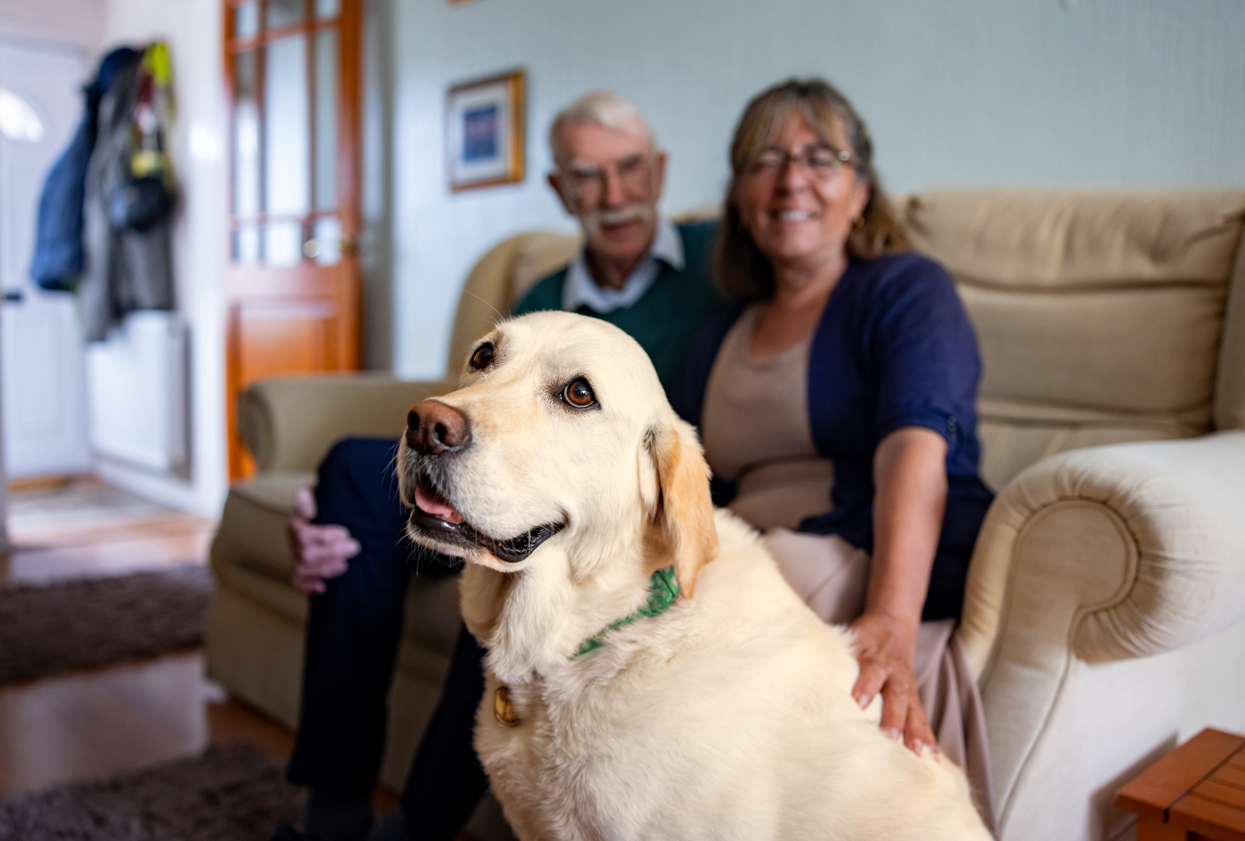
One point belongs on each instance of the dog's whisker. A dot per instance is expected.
(489, 304)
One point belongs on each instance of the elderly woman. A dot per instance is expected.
(836, 407)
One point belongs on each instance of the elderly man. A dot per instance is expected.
(636, 270)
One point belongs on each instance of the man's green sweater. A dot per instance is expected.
(667, 316)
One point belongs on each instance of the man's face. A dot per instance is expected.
(611, 180)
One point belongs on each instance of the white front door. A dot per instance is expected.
(42, 385)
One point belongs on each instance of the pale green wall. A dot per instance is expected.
(1087, 93)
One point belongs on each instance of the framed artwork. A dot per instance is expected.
(484, 128)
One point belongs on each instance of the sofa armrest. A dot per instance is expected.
(1089, 562)
(1142, 545)
(290, 423)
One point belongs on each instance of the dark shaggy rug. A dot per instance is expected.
(78, 624)
(228, 793)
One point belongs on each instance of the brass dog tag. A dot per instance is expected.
(503, 710)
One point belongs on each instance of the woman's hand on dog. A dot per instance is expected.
(885, 649)
(320, 551)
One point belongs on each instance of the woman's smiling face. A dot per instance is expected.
(798, 197)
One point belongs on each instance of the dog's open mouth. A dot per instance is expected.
(434, 516)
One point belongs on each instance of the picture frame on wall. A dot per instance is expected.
(484, 131)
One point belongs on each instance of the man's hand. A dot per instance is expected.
(320, 552)
(885, 650)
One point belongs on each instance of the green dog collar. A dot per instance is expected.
(663, 589)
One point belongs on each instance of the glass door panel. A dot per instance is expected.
(326, 119)
(246, 20)
(246, 244)
(282, 13)
(287, 144)
(283, 243)
(245, 139)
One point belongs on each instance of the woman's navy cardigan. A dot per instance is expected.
(894, 348)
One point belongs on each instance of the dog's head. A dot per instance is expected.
(560, 433)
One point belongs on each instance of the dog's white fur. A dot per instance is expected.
(727, 716)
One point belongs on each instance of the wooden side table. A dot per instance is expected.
(1197, 791)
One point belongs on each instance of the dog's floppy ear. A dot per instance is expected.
(684, 509)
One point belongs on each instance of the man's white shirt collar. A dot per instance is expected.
(581, 290)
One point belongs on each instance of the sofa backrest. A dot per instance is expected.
(1102, 317)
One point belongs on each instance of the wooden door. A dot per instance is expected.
(292, 286)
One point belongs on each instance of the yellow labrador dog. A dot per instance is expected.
(649, 673)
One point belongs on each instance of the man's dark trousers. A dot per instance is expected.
(353, 632)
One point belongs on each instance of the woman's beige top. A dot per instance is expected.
(756, 432)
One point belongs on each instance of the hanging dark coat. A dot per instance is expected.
(126, 269)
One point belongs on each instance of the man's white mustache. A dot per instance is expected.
(634, 212)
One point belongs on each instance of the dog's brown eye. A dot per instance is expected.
(483, 356)
(579, 394)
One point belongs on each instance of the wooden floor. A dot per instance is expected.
(89, 723)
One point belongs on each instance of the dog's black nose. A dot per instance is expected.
(433, 428)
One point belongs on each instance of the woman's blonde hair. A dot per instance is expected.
(742, 271)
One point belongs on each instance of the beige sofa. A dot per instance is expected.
(1105, 612)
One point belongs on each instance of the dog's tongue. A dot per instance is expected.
(436, 506)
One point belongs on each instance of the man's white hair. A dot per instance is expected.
(601, 108)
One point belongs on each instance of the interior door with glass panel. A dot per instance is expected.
(292, 289)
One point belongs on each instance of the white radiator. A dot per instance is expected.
(137, 388)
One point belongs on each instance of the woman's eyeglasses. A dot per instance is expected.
(821, 162)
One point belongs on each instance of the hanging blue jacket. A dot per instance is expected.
(58, 258)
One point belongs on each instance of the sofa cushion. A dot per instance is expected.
(1012, 445)
(272, 594)
(431, 619)
(1062, 240)
(1099, 315)
(1128, 351)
